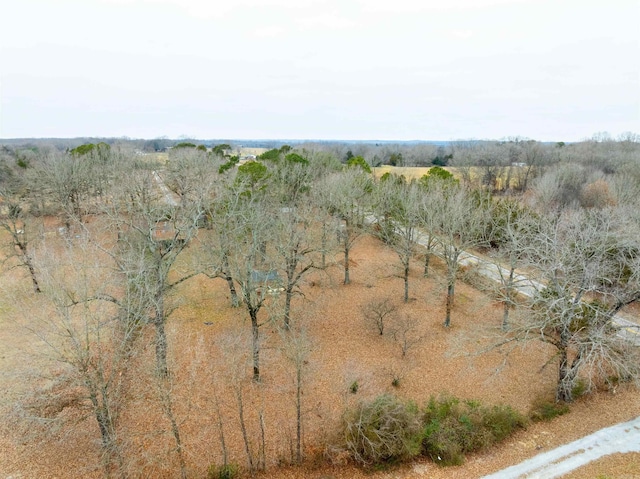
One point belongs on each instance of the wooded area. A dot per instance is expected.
(107, 248)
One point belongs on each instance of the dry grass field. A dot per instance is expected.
(409, 172)
(208, 348)
(474, 174)
(244, 151)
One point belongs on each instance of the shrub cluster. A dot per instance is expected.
(384, 430)
(387, 429)
(454, 428)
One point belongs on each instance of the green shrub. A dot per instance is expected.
(382, 431)
(503, 421)
(545, 409)
(353, 388)
(387, 429)
(359, 162)
(226, 471)
(442, 441)
(580, 388)
(453, 428)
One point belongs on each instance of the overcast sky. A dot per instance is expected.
(320, 69)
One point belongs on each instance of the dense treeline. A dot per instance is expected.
(136, 228)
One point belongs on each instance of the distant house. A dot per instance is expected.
(265, 276)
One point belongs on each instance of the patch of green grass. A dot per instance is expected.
(226, 471)
(545, 409)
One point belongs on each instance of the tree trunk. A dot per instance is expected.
(229, 280)
(223, 443)
(243, 427)
(299, 414)
(507, 301)
(292, 263)
(406, 281)
(324, 245)
(32, 273)
(26, 259)
(161, 338)
(564, 389)
(525, 183)
(505, 316)
(427, 259)
(175, 431)
(346, 262)
(262, 458)
(450, 293)
(111, 453)
(287, 307)
(255, 343)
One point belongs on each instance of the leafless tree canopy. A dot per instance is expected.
(105, 240)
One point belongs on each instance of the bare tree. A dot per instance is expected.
(492, 160)
(152, 232)
(72, 182)
(559, 188)
(296, 348)
(295, 245)
(464, 159)
(345, 196)
(90, 342)
(427, 235)
(217, 244)
(398, 210)
(233, 348)
(511, 222)
(405, 332)
(378, 313)
(461, 220)
(251, 265)
(21, 228)
(191, 172)
(528, 159)
(588, 271)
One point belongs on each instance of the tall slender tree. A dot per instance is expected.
(345, 196)
(462, 218)
(397, 207)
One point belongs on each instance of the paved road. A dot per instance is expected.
(621, 438)
(169, 196)
(528, 287)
